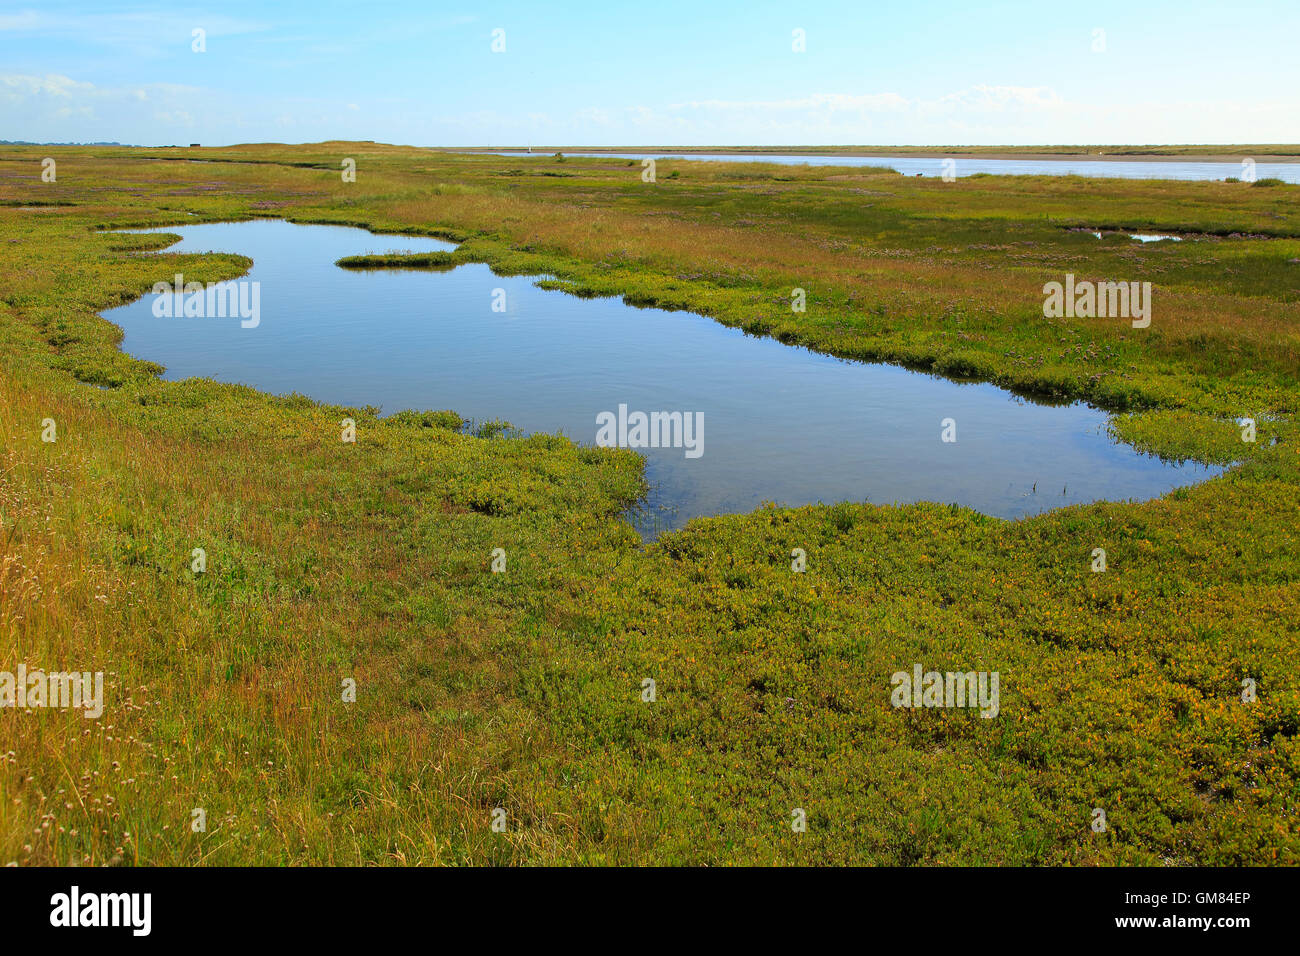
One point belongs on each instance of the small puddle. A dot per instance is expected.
(780, 423)
(1143, 236)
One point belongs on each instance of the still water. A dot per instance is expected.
(779, 423)
(933, 165)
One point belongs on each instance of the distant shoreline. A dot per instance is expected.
(1260, 153)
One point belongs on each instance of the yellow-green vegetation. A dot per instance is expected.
(522, 690)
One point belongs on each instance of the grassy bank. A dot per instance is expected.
(329, 561)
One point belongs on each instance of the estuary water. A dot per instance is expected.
(963, 166)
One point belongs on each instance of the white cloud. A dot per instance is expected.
(999, 98)
(27, 20)
(17, 85)
(833, 102)
(54, 107)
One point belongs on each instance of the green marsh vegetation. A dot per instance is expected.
(390, 260)
(523, 690)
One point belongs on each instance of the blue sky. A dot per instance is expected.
(653, 73)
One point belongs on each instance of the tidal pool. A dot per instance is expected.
(778, 423)
(1153, 237)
